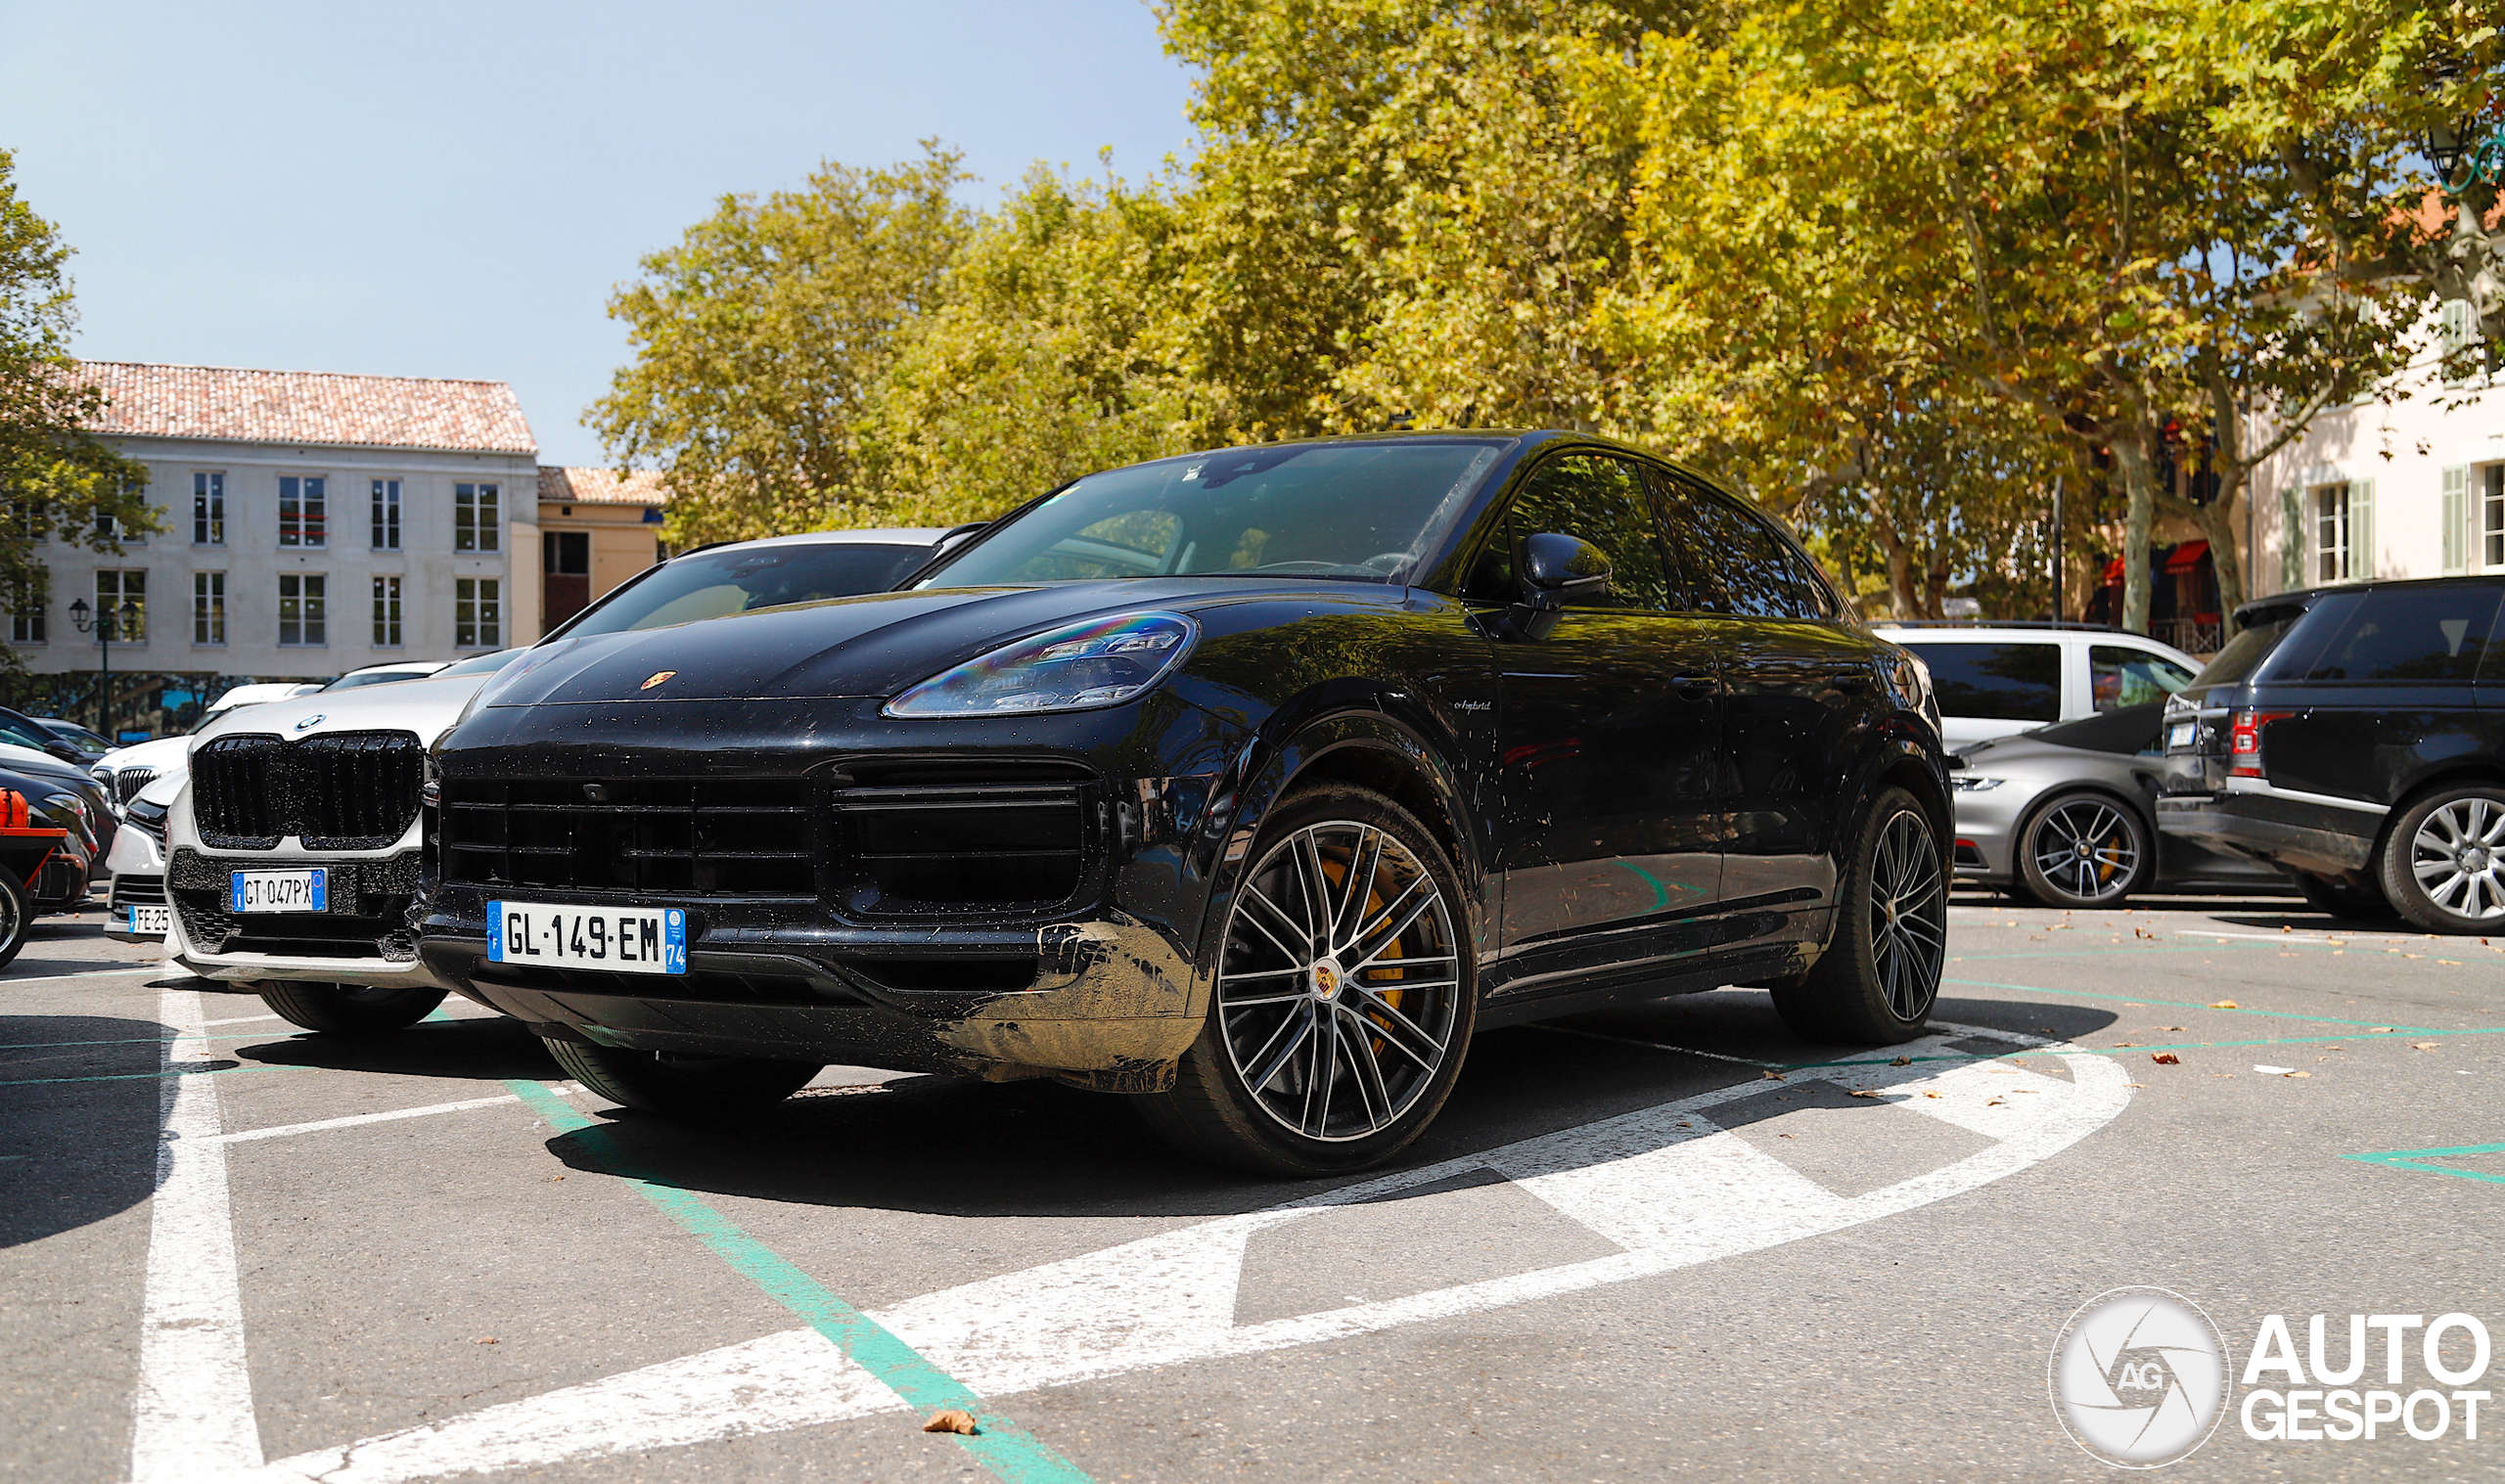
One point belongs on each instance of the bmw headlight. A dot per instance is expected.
(1966, 782)
(1100, 662)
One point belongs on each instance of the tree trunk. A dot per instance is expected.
(2217, 522)
(2139, 483)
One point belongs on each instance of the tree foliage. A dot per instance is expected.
(57, 481)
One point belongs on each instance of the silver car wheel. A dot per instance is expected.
(2087, 848)
(1338, 990)
(2458, 856)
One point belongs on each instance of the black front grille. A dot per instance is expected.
(671, 836)
(128, 782)
(916, 850)
(344, 791)
(143, 890)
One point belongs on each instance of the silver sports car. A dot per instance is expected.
(2066, 814)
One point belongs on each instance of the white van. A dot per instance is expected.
(2004, 679)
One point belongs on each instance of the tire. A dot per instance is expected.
(2443, 864)
(348, 1009)
(685, 1089)
(1880, 975)
(2085, 849)
(2347, 901)
(17, 918)
(1318, 990)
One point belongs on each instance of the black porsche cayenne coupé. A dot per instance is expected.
(1250, 783)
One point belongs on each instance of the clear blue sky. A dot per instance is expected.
(453, 188)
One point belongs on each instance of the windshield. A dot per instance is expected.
(24, 733)
(738, 580)
(479, 664)
(1364, 511)
(79, 735)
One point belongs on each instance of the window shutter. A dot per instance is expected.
(2456, 336)
(2361, 529)
(2291, 539)
(2457, 533)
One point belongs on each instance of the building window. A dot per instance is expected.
(117, 590)
(477, 514)
(477, 612)
(2460, 339)
(304, 609)
(386, 612)
(2492, 516)
(208, 509)
(209, 607)
(2330, 532)
(386, 514)
(304, 512)
(25, 618)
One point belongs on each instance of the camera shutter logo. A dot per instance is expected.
(2139, 1377)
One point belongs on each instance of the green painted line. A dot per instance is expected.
(2414, 1159)
(2276, 1014)
(999, 1445)
(158, 1076)
(2079, 953)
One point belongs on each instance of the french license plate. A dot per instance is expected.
(156, 920)
(621, 939)
(2180, 734)
(308, 891)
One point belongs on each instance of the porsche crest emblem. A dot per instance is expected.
(658, 676)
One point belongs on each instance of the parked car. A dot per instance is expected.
(24, 740)
(57, 804)
(90, 744)
(2355, 736)
(1251, 783)
(1999, 680)
(384, 674)
(32, 847)
(2066, 814)
(293, 858)
(135, 906)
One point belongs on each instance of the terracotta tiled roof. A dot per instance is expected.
(308, 407)
(600, 486)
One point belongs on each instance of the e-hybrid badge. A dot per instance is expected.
(307, 890)
(622, 940)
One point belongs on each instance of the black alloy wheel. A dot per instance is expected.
(688, 1089)
(349, 1010)
(17, 918)
(1880, 975)
(2444, 861)
(1344, 1000)
(2085, 850)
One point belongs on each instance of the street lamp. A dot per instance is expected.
(106, 621)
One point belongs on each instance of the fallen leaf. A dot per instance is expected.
(1865, 1093)
(1773, 1077)
(489, 1340)
(2224, 1005)
(952, 1420)
(2135, 1084)
(1902, 1061)
(2175, 1027)
(2119, 1044)
(2423, 1046)
(2165, 1059)
(2378, 1030)
(1997, 1103)
(555, 1178)
(2299, 1074)
(1931, 1095)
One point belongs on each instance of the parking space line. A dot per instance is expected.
(240, 1019)
(193, 1413)
(2416, 1159)
(159, 971)
(167, 1073)
(353, 1120)
(1002, 1445)
(2138, 998)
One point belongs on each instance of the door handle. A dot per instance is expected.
(1850, 680)
(1693, 687)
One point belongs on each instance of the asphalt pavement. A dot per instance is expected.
(1670, 1242)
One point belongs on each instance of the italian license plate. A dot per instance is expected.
(621, 939)
(2180, 734)
(308, 891)
(156, 920)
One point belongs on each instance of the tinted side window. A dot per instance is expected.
(2412, 633)
(1735, 564)
(2120, 677)
(1600, 500)
(1998, 681)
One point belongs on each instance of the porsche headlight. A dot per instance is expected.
(1100, 662)
(1966, 783)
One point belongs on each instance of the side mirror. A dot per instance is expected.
(1557, 572)
(68, 751)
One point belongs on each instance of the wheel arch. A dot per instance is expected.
(2444, 776)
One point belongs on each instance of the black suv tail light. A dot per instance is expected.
(2243, 741)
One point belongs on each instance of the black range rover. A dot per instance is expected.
(2355, 738)
(1250, 781)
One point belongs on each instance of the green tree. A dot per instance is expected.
(758, 338)
(58, 480)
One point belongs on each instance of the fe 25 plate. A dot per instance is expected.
(633, 940)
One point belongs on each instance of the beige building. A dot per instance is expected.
(315, 523)
(596, 530)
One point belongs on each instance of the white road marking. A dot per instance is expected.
(100, 974)
(194, 1410)
(1663, 1183)
(321, 1125)
(242, 1019)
